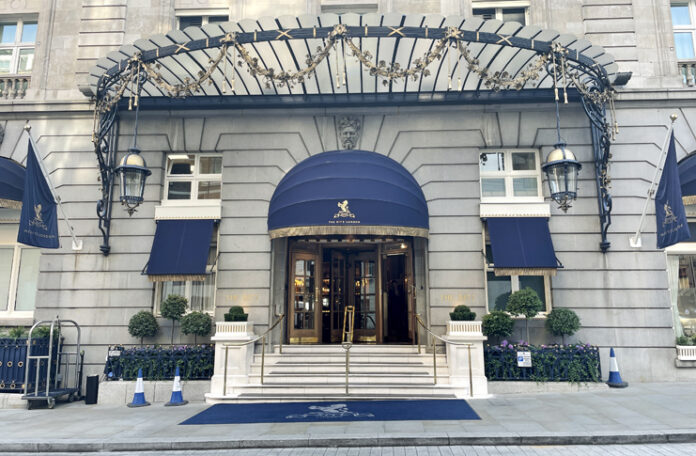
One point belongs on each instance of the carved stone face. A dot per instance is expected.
(349, 132)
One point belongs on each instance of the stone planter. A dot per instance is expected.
(229, 349)
(686, 352)
(466, 332)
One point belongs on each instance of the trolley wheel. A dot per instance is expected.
(72, 397)
(30, 405)
(51, 403)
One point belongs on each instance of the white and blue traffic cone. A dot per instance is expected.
(177, 398)
(139, 396)
(614, 376)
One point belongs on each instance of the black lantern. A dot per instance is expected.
(561, 170)
(132, 172)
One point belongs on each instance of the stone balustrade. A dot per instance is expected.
(13, 87)
(686, 353)
(688, 71)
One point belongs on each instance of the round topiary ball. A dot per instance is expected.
(143, 324)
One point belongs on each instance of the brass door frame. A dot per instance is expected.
(300, 336)
(363, 335)
(408, 285)
(336, 312)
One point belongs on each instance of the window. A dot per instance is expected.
(684, 28)
(344, 7)
(510, 174)
(18, 38)
(193, 20)
(511, 11)
(499, 288)
(199, 294)
(193, 177)
(19, 274)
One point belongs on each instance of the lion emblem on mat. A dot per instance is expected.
(329, 411)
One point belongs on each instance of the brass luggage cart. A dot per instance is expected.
(65, 380)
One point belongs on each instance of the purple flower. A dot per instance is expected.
(543, 346)
(504, 343)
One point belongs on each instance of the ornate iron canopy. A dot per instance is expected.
(342, 57)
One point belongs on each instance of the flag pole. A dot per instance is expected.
(635, 241)
(76, 243)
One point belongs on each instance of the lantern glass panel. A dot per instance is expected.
(132, 185)
(555, 175)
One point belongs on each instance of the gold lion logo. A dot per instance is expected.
(669, 215)
(344, 210)
(37, 213)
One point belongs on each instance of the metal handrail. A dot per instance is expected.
(435, 336)
(347, 337)
(262, 337)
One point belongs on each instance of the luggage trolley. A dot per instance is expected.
(58, 383)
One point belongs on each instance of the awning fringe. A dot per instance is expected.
(550, 272)
(327, 230)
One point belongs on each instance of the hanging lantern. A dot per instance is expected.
(132, 172)
(561, 170)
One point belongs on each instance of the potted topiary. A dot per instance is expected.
(196, 323)
(173, 308)
(143, 324)
(462, 322)
(236, 313)
(524, 302)
(497, 324)
(562, 322)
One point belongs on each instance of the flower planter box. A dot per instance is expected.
(686, 352)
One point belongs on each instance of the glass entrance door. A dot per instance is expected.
(364, 295)
(304, 316)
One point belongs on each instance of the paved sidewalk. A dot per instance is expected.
(640, 414)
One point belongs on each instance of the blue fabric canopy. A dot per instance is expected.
(522, 246)
(11, 183)
(348, 192)
(687, 178)
(180, 250)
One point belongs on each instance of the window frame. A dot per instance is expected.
(188, 286)
(691, 28)
(194, 178)
(205, 15)
(509, 174)
(10, 311)
(514, 279)
(17, 46)
(499, 6)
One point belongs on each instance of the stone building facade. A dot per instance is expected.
(622, 296)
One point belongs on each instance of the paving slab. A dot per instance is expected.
(640, 414)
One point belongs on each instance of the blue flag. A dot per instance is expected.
(38, 222)
(669, 208)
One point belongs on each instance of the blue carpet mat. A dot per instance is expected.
(297, 412)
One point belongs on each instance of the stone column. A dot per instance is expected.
(463, 332)
(239, 358)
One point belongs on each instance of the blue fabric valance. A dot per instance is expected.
(348, 192)
(11, 183)
(522, 246)
(687, 178)
(180, 250)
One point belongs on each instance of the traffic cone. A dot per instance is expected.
(177, 398)
(614, 376)
(139, 396)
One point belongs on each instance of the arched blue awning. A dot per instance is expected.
(687, 178)
(11, 183)
(348, 192)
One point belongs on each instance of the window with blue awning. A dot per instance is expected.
(522, 246)
(180, 250)
(11, 183)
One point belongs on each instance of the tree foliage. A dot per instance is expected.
(462, 313)
(562, 322)
(196, 323)
(497, 324)
(236, 313)
(173, 308)
(143, 324)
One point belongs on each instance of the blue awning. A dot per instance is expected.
(180, 250)
(522, 246)
(687, 178)
(11, 183)
(348, 192)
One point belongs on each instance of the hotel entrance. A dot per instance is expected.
(372, 275)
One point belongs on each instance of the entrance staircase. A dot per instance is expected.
(317, 372)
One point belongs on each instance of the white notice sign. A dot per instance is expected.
(524, 359)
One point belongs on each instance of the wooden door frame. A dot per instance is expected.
(300, 336)
(409, 285)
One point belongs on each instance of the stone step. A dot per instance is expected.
(327, 389)
(353, 396)
(357, 348)
(320, 379)
(354, 358)
(328, 368)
